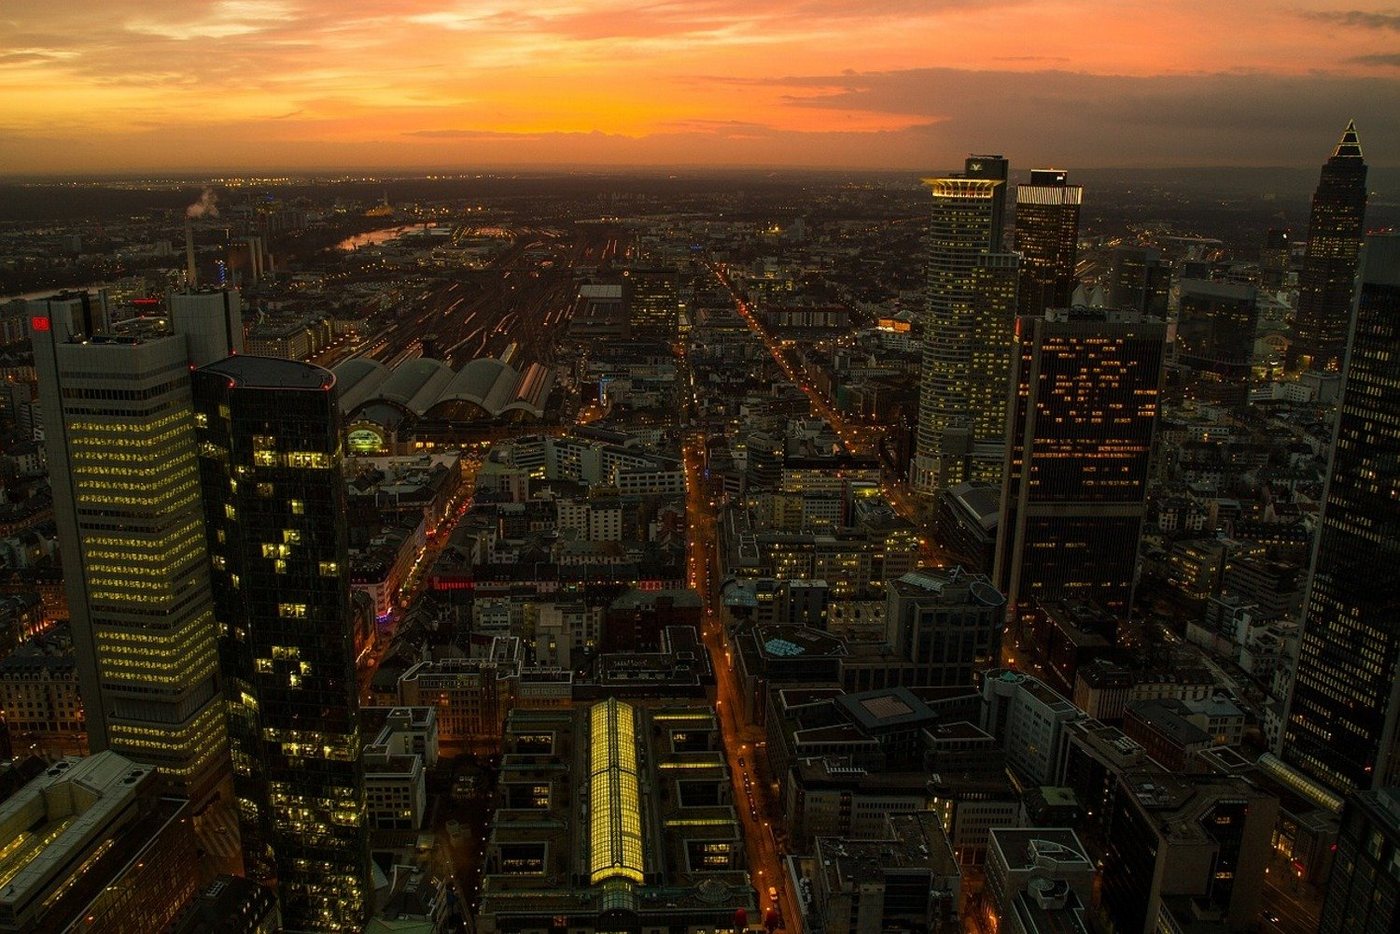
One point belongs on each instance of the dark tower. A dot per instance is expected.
(1326, 283)
(1083, 410)
(1047, 237)
(274, 498)
(1216, 322)
(1344, 714)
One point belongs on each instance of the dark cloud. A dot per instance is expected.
(1359, 19)
(1106, 120)
(1386, 58)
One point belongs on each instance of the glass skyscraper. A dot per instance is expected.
(270, 462)
(1326, 280)
(1047, 237)
(1344, 714)
(1079, 441)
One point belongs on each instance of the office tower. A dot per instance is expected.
(1216, 323)
(274, 498)
(1343, 725)
(211, 321)
(1326, 280)
(1083, 411)
(653, 303)
(967, 330)
(947, 624)
(1363, 890)
(1138, 280)
(122, 460)
(1275, 257)
(1047, 237)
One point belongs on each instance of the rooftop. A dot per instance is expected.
(271, 373)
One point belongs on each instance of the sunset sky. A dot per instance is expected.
(244, 85)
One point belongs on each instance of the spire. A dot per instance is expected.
(1350, 145)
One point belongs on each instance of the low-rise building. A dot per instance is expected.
(93, 841)
(906, 878)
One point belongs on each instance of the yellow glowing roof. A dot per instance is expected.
(615, 822)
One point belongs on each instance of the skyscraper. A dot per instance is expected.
(653, 303)
(1363, 889)
(1083, 413)
(270, 464)
(971, 306)
(1138, 280)
(1047, 237)
(120, 434)
(1326, 281)
(1343, 725)
(1216, 322)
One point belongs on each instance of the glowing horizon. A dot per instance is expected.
(243, 85)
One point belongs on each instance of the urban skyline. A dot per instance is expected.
(838, 552)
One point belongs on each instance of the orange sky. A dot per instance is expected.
(242, 85)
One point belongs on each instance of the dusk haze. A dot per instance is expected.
(143, 85)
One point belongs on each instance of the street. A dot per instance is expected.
(744, 744)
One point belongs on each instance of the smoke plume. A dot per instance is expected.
(207, 205)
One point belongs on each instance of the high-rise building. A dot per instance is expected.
(967, 330)
(653, 303)
(1343, 725)
(1083, 412)
(211, 321)
(1363, 890)
(1216, 322)
(121, 448)
(274, 498)
(1326, 280)
(1047, 237)
(1275, 257)
(1138, 280)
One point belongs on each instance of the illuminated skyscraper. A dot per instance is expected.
(1326, 281)
(1343, 725)
(971, 307)
(1047, 237)
(270, 463)
(1084, 410)
(121, 445)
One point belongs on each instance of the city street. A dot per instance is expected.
(860, 440)
(741, 740)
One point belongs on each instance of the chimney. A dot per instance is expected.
(191, 276)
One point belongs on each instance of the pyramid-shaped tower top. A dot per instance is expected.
(1350, 145)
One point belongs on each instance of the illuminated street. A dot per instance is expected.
(743, 742)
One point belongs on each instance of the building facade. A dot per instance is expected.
(1216, 322)
(274, 497)
(971, 307)
(121, 448)
(1363, 891)
(1079, 441)
(1343, 724)
(1047, 237)
(1326, 280)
